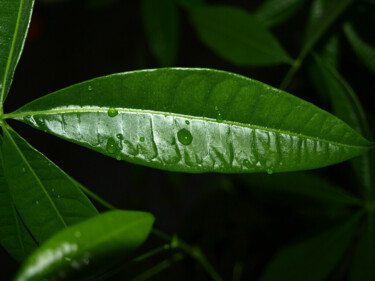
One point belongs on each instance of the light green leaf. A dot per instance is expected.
(237, 36)
(363, 268)
(15, 17)
(312, 259)
(14, 236)
(364, 51)
(160, 19)
(195, 120)
(346, 106)
(87, 246)
(47, 199)
(302, 185)
(323, 14)
(274, 12)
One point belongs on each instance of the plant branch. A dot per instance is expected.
(290, 74)
(193, 251)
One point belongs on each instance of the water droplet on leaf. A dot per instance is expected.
(120, 136)
(246, 163)
(89, 88)
(142, 139)
(184, 136)
(37, 202)
(269, 171)
(111, 146)
(187, 122)
(219, 117)
(112, 112)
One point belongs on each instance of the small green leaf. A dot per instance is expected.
(15, 17)
(235, 124)
(47, 199)
(87, 246)
(363, 268)
(364, 51)
(312, 259)
(274, 12)
(323, 14)
(160, 19)
(14, 236)
(237, 36)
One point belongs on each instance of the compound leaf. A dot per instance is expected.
(195, 120)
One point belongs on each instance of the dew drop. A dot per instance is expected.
(120, 136)
(187, 122)
(142, 139)
(216, 108)
(246, 163)
(112, 112)
(53, 190)
(23, 170)
(118, 157)
(37, 202)
(111, 146)
(184, 136)
(269, 171)
(126, 142)
(89, 88)
(58, 195)
(219, 117)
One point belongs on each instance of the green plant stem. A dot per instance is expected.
(290, 74)
(193, 251)
(158, 268)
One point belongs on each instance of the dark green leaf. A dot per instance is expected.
(15, 17)
(47, 199)
(314, 258)
(87, 246)
(160, 19)
(304, 186)
(364, 51)
(237, 36)
(14, 236)
(273, 12)
(195, 120)
(323, 14)
(347, 107)
(363, 267)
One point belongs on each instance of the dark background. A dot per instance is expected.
(72, 41)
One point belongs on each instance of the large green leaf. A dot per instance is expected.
(363, 267)
(346, 106)
(323, 14)
(15, 17)
(364, 51)
(14, 236)
(237, 36)
(87, 246)
(47, 199)
(160, 19)
(312, 259)
(195, 120)
(273, 12)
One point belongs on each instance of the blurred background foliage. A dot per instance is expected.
(240, 222)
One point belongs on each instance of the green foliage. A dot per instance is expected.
(87, 245)
(195, 120)
(237, 36)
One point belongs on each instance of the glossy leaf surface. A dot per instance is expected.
(14, 236)
(316, 256)
(346, 106)
(273, 12)
(87, 246)
(47, 199)
(15, 17)
(237, 36)
(364, 51)
(160, 19)
(195, 120)
(363, 268)
(323, 14)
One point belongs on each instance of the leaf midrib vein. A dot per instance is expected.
(128, 110)
(11, 53)
(35, 176)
